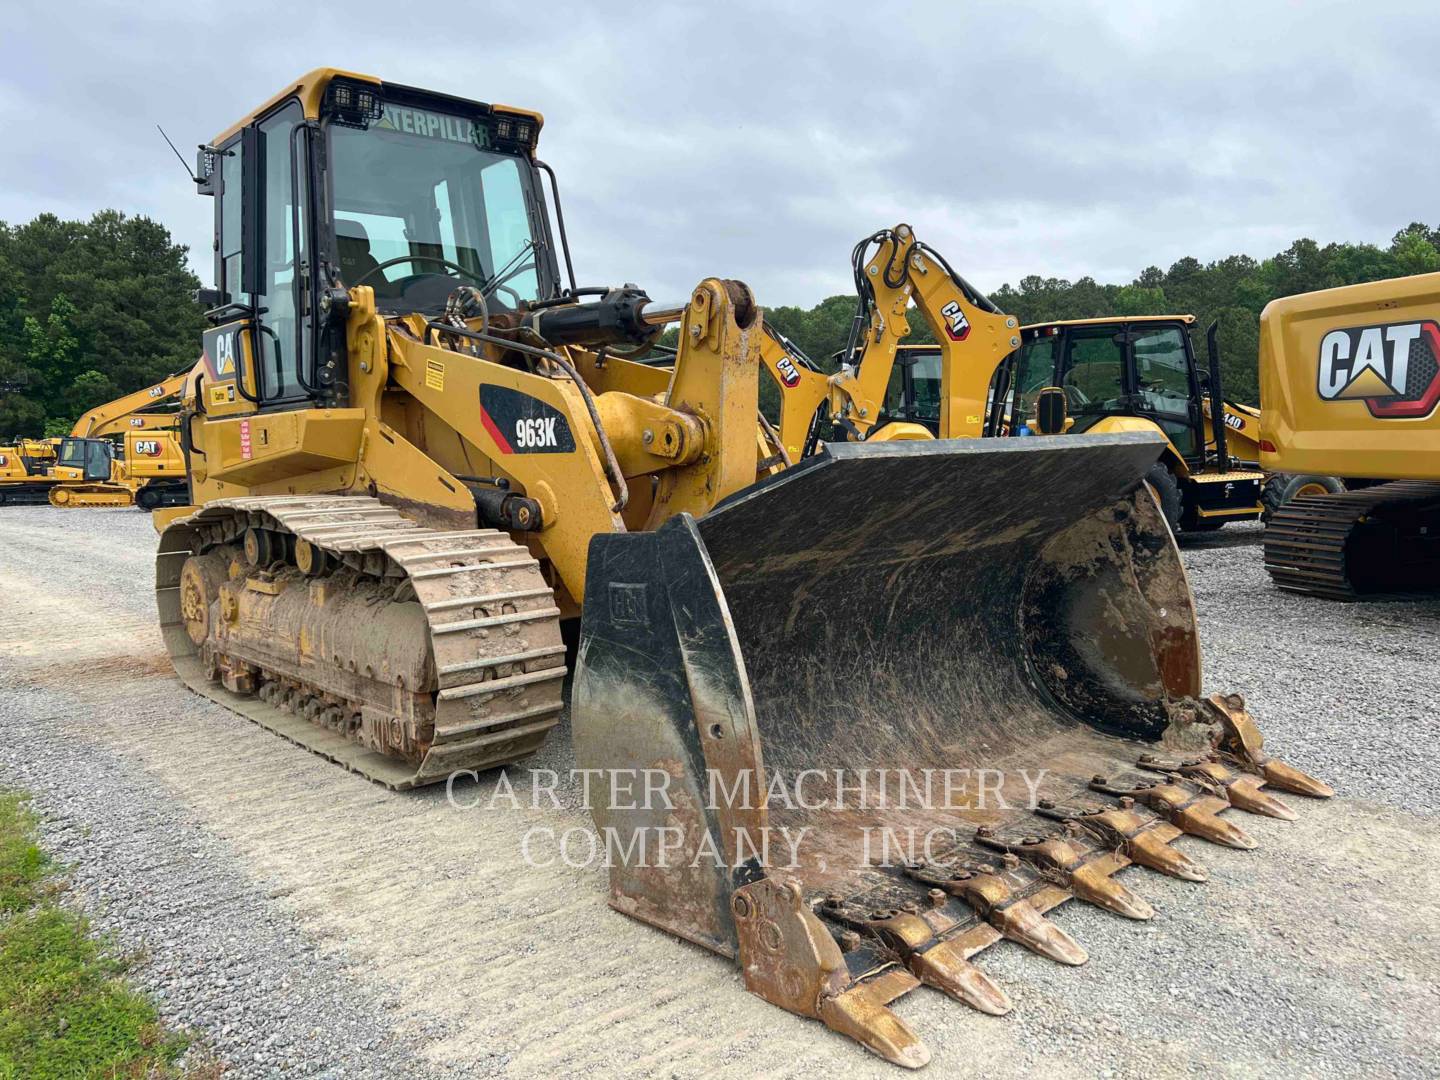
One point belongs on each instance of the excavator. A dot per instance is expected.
(146, 469)
(418, 453)
(1132, 374)
(1350, 380)
(123, 453)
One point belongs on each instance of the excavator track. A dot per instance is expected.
(1343, 546)
(400, 652)
(75, 496)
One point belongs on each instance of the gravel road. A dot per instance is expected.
(305, 922)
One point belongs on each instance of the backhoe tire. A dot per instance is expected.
(1282, 487)
(1167, 493)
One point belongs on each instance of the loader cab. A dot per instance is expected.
(344, 181)
(84, 459)
(1143, 367)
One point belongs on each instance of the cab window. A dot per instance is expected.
(1162, 370)
(1094, 371)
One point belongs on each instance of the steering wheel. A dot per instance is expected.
(477, 278)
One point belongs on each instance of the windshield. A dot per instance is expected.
(72, 452)
(416, 186)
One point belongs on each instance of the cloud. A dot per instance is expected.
(761, 141)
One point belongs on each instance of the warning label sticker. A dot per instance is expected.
(435, 375)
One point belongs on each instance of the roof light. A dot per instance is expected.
(353, 104)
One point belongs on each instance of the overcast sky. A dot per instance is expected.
(760, 141)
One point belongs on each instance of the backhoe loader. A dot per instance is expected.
(415, 449)
(1350, 380)
(1136, 374)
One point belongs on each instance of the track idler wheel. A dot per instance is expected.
(200, 581)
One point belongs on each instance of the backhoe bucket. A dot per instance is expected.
(877, 713)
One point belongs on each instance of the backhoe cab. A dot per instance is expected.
(1139, 373)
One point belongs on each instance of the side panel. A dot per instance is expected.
(1350, 381)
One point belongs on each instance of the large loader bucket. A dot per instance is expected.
(887, 708)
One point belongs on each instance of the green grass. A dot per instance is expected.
(65, 1010)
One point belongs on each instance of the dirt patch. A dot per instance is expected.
(105, 669)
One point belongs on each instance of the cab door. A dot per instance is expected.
(1163, 373)
(258, 351)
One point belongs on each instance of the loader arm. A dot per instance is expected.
(127, 413)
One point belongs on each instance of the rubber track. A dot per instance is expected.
(498, 693)
(1306, 539)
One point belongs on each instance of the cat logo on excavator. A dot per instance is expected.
(1394, 368)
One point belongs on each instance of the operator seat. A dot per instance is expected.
(355, 258)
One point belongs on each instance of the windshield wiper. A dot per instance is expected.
(500, 275)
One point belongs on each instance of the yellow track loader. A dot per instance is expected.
(415, 449)
(1350, 380)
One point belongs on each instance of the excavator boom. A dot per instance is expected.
(132, 412)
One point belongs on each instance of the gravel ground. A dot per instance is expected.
(304, 922)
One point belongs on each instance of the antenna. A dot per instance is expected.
(193, 178)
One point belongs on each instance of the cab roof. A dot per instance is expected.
(1111, 320)
(310, 89)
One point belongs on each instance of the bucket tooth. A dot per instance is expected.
(945, 967)
(1102, 890)
(1020, 922)
(1287, 778)
(789, 958)
(1246, 794)
(990, 895)
(937, 961)
(1242, 789)
(1144, 839)
(1060, 856)
(857, 1013)
(1190, 812)
(1148, 850)
(1204, 821)
(1241, 741)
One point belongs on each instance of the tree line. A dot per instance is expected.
(1232, 290)
(90, 310)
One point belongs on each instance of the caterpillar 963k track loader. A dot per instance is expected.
(1350, 381)
(413, 452)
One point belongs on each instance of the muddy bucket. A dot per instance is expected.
(892, 705)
